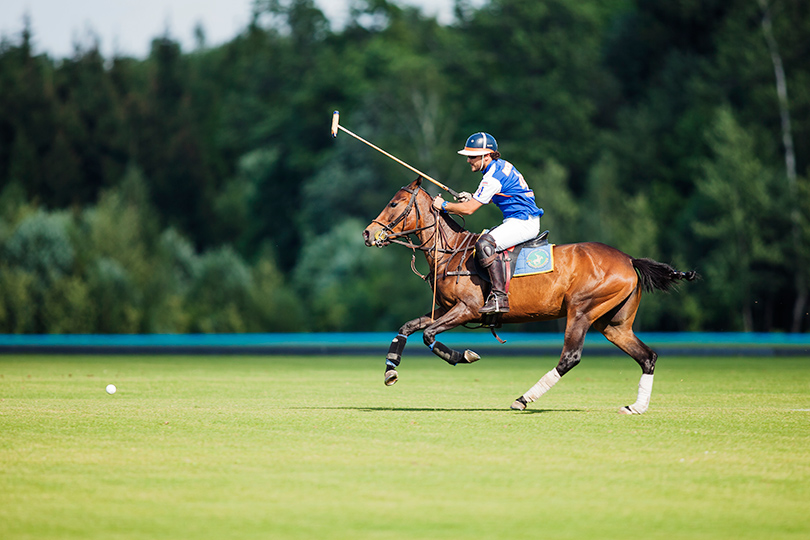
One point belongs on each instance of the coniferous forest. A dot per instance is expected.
(201, 191)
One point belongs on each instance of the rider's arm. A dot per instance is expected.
(461, 208)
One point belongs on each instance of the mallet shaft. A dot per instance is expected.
(336, 126)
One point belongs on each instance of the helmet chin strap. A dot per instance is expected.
(481, 161)
(481, 164)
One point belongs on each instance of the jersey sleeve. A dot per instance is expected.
(487, 189)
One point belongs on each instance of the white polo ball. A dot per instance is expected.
(111, 388)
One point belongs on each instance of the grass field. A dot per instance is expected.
(317, 448)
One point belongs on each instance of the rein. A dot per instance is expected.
(440, 237)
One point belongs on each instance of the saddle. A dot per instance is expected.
(539, 259)
(510, 258)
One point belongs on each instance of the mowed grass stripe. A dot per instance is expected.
(317, 447)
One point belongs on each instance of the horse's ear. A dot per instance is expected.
(416, 184)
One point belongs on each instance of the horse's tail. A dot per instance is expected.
(656, 275)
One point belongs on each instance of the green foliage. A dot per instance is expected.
(553, 194)
(742, 221)
(803, 257)
(72, 306)
(40, 245)
(220, 292)
(174, 270)
(153, 178)
(110, 272)
(277, 306)
(350, 287)
(115, 297)
(18, 306)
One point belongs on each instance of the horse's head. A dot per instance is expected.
(400, 217)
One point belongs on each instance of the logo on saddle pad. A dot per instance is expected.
(534, 260)
(538, 259)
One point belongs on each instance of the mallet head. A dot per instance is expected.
(335, 120)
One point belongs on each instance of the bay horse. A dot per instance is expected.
(592, 284)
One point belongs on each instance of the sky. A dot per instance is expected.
(127, 27)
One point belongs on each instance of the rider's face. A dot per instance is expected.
(478, 163)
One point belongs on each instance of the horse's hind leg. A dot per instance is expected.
(394, 356)
(618, 329)
(646, 357)
(575, 332)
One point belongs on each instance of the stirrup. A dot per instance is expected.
(496, 304)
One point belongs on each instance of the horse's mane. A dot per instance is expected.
(455, 226)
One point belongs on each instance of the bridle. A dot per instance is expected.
(388, 235)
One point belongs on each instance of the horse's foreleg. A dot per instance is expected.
(394, 356)
(457, 315)
(571, 354)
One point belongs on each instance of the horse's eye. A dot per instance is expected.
(394, 204)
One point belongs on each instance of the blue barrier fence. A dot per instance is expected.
(712, 344)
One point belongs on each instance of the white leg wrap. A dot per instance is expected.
(644, 392)
(543, 385)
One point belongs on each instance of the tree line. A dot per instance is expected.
(201, 191)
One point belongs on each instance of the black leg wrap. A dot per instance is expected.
(447, 354)
(394, 356)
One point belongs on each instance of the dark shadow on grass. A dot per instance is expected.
(438, 409)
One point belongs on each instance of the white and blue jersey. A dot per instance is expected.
(503, 185)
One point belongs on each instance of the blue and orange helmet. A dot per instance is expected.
(479, 144)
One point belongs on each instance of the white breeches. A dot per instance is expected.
(513, 231)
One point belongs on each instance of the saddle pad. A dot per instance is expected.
(535, 260)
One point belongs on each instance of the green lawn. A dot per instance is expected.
(318, 448)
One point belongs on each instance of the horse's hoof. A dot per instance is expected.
(471, 356)
(518, 405)
(391, 377)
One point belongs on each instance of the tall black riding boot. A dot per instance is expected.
(498, 301)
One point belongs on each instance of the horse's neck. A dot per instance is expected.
(451, 236)
(453, 232)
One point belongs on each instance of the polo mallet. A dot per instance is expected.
(336, 126)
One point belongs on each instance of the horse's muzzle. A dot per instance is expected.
(379, 239)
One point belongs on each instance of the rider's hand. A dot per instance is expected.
(437, 202)
(464, 197)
